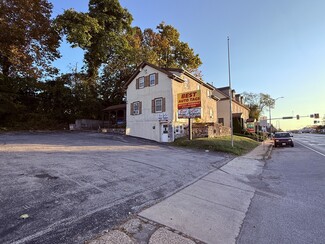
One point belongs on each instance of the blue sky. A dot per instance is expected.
(277, 46)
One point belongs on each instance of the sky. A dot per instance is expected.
(277, 47)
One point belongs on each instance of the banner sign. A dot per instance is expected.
(189, 113)
(189, 99)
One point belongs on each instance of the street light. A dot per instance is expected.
(270, 114)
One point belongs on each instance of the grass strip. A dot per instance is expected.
(242, 145)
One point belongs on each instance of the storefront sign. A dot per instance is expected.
(163, 116)
(189, 99)
(189, 113)
(250, 127)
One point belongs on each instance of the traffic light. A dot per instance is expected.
(316, 116)
(298, 117)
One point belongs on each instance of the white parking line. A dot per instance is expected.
(311, 149)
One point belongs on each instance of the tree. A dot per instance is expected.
(162, 48)
(100, 32)
(28, 41)
(257, 103)
(170, 51)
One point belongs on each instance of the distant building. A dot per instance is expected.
(240, 112)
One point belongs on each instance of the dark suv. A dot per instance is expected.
(282, 139)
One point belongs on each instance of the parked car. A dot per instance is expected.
(282, 139)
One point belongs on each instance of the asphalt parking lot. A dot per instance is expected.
(66, 187)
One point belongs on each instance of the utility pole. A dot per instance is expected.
(230, 96)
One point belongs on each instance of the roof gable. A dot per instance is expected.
(170, 72)
(140, 68)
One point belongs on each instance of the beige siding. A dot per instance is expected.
(147, 125)
(207, 103)
(224, 108)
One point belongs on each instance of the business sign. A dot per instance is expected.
(162, 116)
(250, 127)
(189, 99)
(189, 113)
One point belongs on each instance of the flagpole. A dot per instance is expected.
(230, 95)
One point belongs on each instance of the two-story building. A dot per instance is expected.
(152, 110)
(240, 112)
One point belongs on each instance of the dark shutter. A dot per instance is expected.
(153, 109)
(156, 78)
(140, 107)
(137, 83)
(163, 106)
(131, 109)
(146, 81)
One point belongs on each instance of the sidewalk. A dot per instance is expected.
(211, 210)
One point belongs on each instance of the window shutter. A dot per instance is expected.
(163, 104)
(137, 83)
(146, 81)
(156, 78)
(153, 110)
(140, 107)
(131, 108)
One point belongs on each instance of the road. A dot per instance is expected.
(288, 206)
(68, 187)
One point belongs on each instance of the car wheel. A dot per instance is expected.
(275, 145)
(292, 145)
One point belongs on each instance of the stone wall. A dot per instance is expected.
(120, 131)
(88, 124)
(209, 130)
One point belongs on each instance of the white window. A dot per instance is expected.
(208, 93)
(152, 79)
(158, 105)
(198, 87)
(211, 113)
(136, 107)
(186, 83)
(141, 82)
(179, 130)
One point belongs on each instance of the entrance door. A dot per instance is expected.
(164, 133)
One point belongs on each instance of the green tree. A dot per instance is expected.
(172, 52)
(100, 32)
(162, 48)
(28, 41)
(257, 103)
(28, 45)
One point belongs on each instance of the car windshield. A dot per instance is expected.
(281, 135)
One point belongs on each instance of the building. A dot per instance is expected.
(152, 102)
(240, 112)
